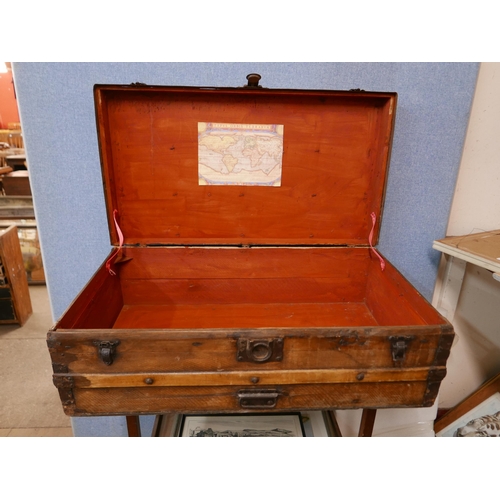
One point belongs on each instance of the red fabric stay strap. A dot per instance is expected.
(370, 238)
(120, 238)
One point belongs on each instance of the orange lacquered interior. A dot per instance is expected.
(191, 288)
(205, 256)
(336, 149)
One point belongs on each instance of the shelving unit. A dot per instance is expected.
(481, 249)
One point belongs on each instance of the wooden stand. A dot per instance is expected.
(367, 422)
(133, 426)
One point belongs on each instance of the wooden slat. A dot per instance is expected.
(280, 377)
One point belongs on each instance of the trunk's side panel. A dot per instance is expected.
(394, 301)
(97, 305)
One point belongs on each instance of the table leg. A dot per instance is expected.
(133, 426)
(367, 422)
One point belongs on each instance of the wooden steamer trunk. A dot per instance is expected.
(264, 296)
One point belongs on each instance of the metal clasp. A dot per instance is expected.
(106, 350)
(399, 345)
(260, 350)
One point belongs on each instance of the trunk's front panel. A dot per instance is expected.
(376, 367)
(242, 399)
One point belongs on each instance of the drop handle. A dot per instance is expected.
(258, 399)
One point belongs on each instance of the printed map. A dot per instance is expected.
(240, 154)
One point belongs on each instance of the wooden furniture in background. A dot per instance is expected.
(12, 137)
(4, 170)
(16, 183)
(4, 136)
(15, 302)
(14, 157)
(30, 248)
(15, 139)
(472, 301)
(480, 249)
(16, 207)
(17, 161)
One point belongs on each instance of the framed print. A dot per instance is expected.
(245, 425)
(314, 424)
(476, 416)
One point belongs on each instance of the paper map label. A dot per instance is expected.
(240, 154)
